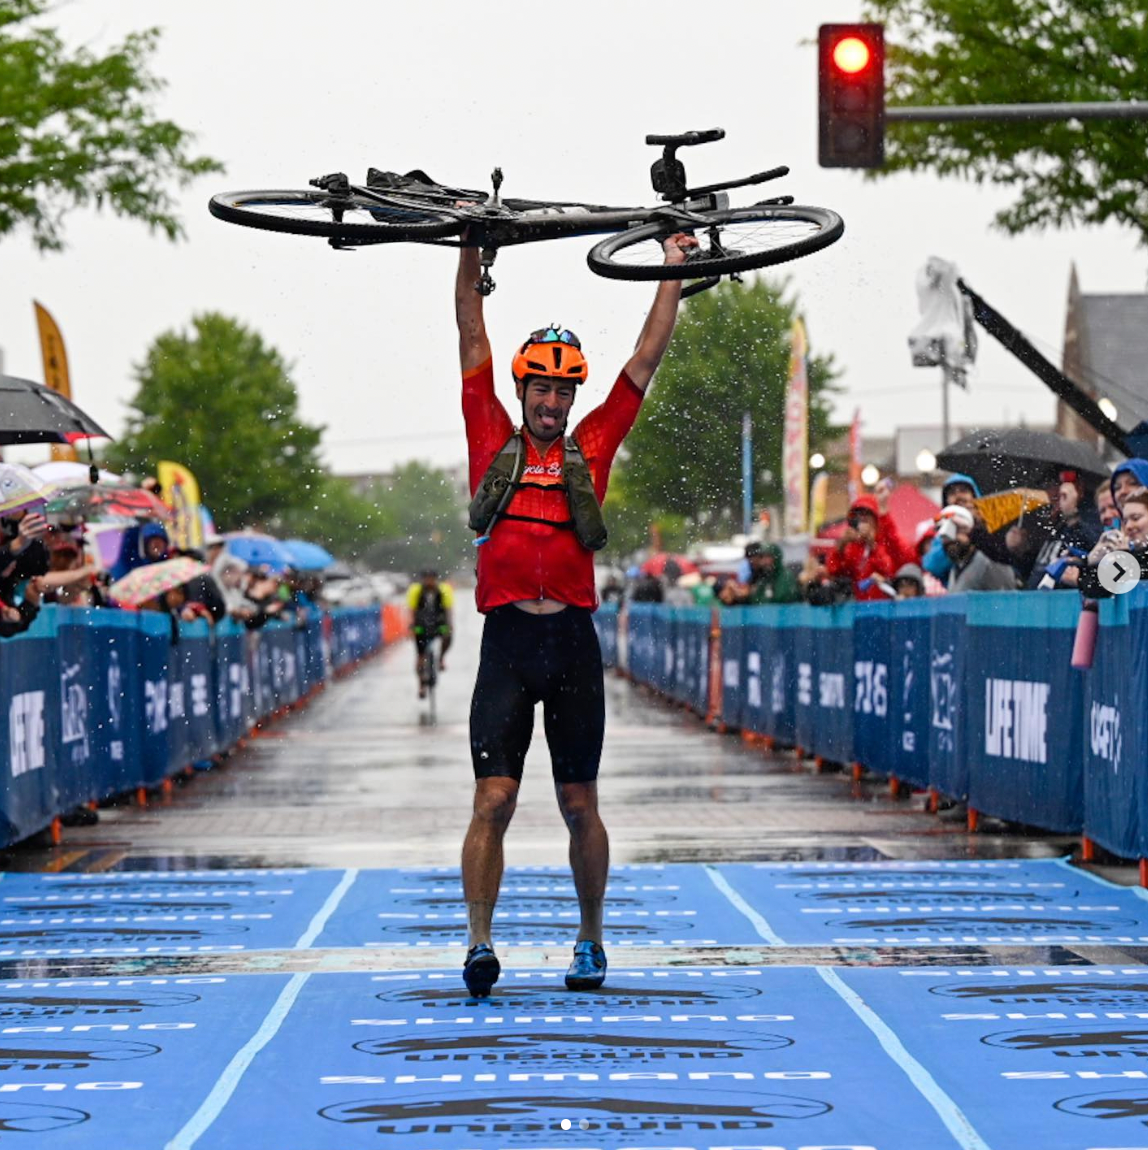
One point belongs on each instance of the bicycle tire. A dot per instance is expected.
(301, 213)
(800, 231)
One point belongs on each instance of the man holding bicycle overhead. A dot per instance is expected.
(537, 510)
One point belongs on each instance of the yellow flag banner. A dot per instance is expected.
(181, 494)
(55, 358)
(795, 436)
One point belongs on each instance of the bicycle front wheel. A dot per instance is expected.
(733, 241)
(352, 219)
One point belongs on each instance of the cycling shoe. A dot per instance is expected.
(481, 970)
(588, 970)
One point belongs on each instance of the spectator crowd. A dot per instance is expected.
(45, 560)
(1054, 541)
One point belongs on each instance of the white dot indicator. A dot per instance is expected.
(565, 1123)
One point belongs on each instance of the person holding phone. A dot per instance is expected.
(23, 553)
(870, 549)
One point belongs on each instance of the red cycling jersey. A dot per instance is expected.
(533, 560)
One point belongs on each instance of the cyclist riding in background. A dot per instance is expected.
(536, 507)
(431, 603)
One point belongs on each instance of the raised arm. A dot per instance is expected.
(473, 345)
(659, 325)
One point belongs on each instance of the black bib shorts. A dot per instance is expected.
(526, 659)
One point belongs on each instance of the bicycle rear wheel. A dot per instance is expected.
(353, 219)
(734, 241)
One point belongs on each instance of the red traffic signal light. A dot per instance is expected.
(851, 95)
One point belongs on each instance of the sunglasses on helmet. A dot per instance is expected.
(554, 334)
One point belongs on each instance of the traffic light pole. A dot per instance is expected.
(1095, 110)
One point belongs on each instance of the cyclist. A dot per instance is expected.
(537, 509)
(431, 603)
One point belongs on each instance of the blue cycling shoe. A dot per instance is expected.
(481, 970)
(588, 970)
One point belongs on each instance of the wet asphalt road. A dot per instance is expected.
(363, 778)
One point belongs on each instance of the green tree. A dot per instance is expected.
(334, 514)
(77, 128)
(422, 522)
(1024, 51)
(729, 355)
(219, 400)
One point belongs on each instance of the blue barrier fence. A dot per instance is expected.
(95, 703)
(971, 695)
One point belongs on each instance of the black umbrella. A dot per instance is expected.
(32, 413)
(1020, 457)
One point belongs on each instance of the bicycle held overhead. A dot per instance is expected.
(413, 208)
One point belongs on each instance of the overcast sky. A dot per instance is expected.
(561, 98)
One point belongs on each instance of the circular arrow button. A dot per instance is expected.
(1118, 572)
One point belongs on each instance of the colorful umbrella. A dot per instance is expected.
(20, 488)
(94, 501)
(153, 579)
(657, 564)
(308, 556)
(259, 550)
(1008, 506)
(66, 473)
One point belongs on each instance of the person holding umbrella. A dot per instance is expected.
(23, 554)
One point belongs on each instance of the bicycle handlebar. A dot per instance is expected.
(688, 138)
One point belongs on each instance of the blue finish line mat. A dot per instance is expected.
(736, 1059)
(987, 903)
(793, 904)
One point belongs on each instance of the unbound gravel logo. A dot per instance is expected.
(543, 1049)
(50, 910)
(528, 930)
(947, 897)
(528, 1119)
(29, 1118)
(69, 1004)
(1109, 1105)
(1110, 1040)
(1132, 994)
(44, 1052)
(544, 999)
(117, 936)
(1007, 925)
(536, 901)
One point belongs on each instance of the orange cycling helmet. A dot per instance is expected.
(552, 353)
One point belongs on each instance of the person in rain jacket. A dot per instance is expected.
(959, 491)
(769, 580)
(1131, 474)
(869, 551)
(140, 546)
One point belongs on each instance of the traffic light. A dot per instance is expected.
(851, 95)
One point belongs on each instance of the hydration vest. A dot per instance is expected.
(503, 479)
